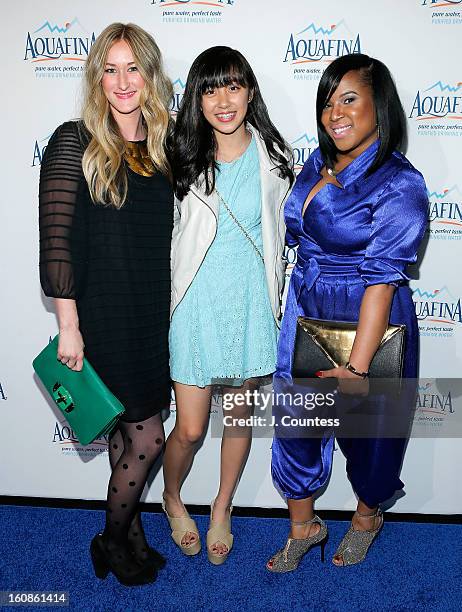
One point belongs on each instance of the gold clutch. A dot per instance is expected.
(322, 345)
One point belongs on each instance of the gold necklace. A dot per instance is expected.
(137, 157)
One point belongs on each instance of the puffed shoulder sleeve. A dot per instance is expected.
(399, 219)
(61, 220)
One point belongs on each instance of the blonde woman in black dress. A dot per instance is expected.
(106, 216)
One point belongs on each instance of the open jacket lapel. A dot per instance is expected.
(209, 200)
(194, 233)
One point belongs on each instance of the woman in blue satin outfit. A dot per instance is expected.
(357, 214)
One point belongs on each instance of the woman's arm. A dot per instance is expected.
(70, 348)
(62, 237)
(373, 321)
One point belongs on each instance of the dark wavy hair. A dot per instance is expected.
(391, 119)
(194, 144)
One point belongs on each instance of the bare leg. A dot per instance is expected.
(302, 510)
(192, 414)
(235, 447)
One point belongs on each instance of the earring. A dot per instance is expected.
(378, 130)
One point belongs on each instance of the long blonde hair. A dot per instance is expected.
(102, 161)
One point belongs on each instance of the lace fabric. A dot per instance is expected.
(225, 319)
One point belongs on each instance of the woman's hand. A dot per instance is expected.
(348, 383)
(70, 348)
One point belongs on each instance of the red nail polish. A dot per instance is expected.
(318, 374)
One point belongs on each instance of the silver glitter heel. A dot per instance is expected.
(288, 558)
(355, 544)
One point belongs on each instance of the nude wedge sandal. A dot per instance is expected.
(180, 526)
(219, 533)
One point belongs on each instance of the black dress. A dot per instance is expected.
(116, 264)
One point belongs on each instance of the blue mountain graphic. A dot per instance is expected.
(180, 83)
(440, 196)
(424, 294)
(309, 139)
(448, 1)
(444, 291)
(56, 28)
(425, 387)
(322, 30)
(440, 293)
(442, 87)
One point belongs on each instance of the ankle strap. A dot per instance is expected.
(378, 512)
(315, 519)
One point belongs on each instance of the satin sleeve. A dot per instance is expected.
(61, 219)
(399, 220)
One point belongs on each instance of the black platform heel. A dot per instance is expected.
(135, 574)
(155, 559)
(100, 565)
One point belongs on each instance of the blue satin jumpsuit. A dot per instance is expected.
(349, 238)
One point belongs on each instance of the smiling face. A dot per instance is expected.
(122, 83)
(349, 116)
(225, 108)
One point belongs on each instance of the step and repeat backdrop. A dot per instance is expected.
(289, 43)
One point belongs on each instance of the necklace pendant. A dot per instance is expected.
(331, 172)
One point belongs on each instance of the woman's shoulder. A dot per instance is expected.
(262, 149)
(313, 163)
(403, 170)
(401, 162)
(71, 133)
(65, 147)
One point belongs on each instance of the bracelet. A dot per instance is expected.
(353, 370)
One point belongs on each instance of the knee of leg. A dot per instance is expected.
(148, 448)
(188, 435)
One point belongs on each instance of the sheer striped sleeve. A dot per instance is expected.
(61, 218)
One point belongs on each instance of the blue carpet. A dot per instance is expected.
(410, 566)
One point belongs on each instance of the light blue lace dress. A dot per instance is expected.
(223, 331)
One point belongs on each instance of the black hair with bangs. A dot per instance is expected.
(194, 145)
(391, 119)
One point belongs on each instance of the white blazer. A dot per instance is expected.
(195, 228)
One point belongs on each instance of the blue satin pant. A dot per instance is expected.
(301, 466)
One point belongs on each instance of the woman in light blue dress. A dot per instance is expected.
(232, 172)
(229, 292)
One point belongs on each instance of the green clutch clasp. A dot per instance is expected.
(63, 398)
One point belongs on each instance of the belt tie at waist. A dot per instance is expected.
(305, 275)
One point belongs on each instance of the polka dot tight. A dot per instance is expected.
(133, 449)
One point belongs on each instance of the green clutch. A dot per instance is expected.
(87, 404)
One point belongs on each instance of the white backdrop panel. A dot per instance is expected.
(288, 43)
